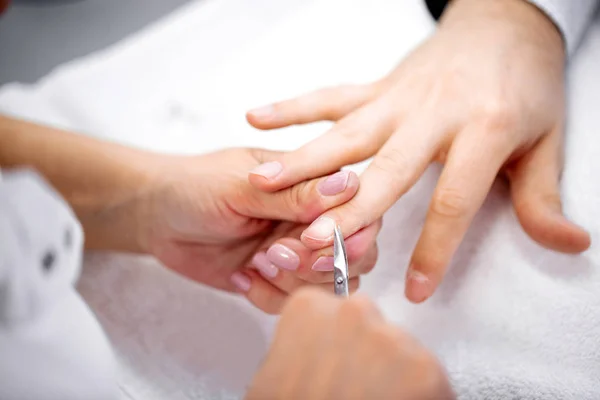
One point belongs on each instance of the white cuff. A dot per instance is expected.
(571, 16)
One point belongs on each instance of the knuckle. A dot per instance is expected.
(498, 115)
(393, 165)
(352, 134)
(355, 214)
(299, 199)
(532, 205)
(449, 203)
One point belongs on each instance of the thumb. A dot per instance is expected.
(303, 202)
(536, 198)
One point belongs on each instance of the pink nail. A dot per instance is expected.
(268, 170)
(334, 184)
(321, 229)
(264, 266)
(418, 286)
(263, 112)
(283, 257)
(241, 281)
(323, 264)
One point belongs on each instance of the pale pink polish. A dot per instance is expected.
(240, 281)
(334, 184)
(323, 264)
(283, 257)
(264, 266)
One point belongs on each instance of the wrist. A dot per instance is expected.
(519, 19)
(104, 183)
(115, 216)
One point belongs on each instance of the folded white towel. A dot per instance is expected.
(511, 321)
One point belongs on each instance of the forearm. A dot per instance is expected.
(100, 180)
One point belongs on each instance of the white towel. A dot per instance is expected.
(511, 320)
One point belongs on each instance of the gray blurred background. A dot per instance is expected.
(37, 35)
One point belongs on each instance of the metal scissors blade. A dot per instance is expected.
(340, 264)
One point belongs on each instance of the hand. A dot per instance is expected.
(331, 348)
(198, 215)
(205, 221)
(484, 95)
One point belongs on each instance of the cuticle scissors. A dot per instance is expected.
(340, 264)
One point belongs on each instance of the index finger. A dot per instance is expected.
(393, 171)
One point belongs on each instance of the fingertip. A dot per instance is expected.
(259, 291)
(359, 243)
(552, 230)
(319, 234)
(419, 287)
(241, 282)
(353, 183)
(288, 254)
(574, 239)
(261, 117)
(264, 176)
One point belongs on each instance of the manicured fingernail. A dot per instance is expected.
(264, 266)
(268, 170)
(321, 229)
(323, 264)
(283, 257)
(334, 184)
(241, 281)
(263, 112)
(418, 286)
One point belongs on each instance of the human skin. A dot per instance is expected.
(329, 348)
(484, 95)
(197, 214)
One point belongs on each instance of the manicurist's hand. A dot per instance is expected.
(328, 348)
(205, 221)
(198, 215)
(484, 95)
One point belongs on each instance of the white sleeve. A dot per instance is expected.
(571, 16)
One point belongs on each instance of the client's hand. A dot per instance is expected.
(484, 95)
(332, 348)
(204, 220)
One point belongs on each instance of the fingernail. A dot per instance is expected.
(264, 266)
(263, 112)
(321, 229)
(323, 264)
(418, 286)
(283, 257)
(241, 281)
(268, 170)
(334, 184)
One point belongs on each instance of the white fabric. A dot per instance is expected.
(51, 345)
(571, 16)
(511, 321)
